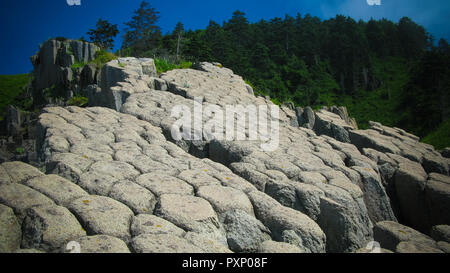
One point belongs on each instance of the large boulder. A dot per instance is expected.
(390, 234)
(10, 231)
(310, 238)
(49, 228)
(191, 214)
(244, 233)
(441, 233)
(330, 124)
(121, 78)
(102, 215)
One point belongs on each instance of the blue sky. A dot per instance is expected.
(27, 23)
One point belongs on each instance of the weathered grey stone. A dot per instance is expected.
(49, 227)
(60, 190)
(20, 198)
(309, 197)
(29, 251)
(375, 197)
(206, 244)
(444, 246)
(4, 176)
(437, 200)
(336, 222)
(278, 218)
(160, 84)
(441, 233)
(389, 234)
(327, 123)
(163, 243)
(161, 183)
(244, 232)
(139, 199)
(410, 181)
(102, 175)
(10, 232)
(121, 78)
(416, 247)
(150, 224)
(277, 247)
(100, 244)
(102, 215)
(191, 214)
(370, 139)
(20, 172)
(89, 75)
(329, 181)
(308, 118)
(224, 199)
(446, 152)
(434, 164)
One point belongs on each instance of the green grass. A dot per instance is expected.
(164, 66)
(102, 57)
(11, 87)
(440, 138)
(382, 104)
(78, 101)
(77, 65)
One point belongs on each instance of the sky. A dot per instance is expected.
(27, 23)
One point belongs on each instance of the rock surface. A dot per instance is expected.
(403, 239)
(125, 182)
(10, 231)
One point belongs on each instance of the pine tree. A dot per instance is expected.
(142, 33)
(179, 33)
(104, 34)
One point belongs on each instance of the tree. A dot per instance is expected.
(104, 34)
(142, 33)
(178, 33)
(415, 40)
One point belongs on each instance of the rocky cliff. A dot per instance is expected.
(62, 69)
(115, 179)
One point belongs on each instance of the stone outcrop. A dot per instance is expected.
(54, 70)
(121, 78)
(334, 122)
(402, 239)
(17, 132)
(117, 173)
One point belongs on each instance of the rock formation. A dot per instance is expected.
(54, 70)
(114, 178)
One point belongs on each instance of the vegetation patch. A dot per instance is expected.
(12, 87)
(102, 57)
(79, 101)
(163, 65)
(439, 138)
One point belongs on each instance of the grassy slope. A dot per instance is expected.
(11, 86)
(440, 138)
(380, 105)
